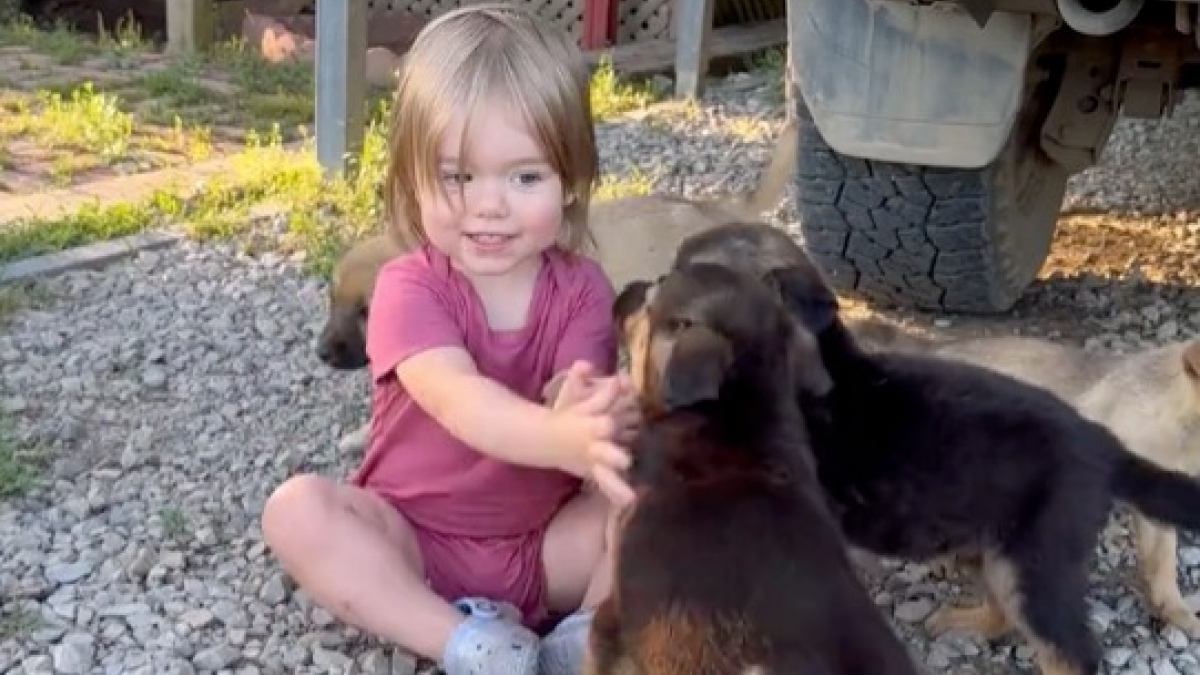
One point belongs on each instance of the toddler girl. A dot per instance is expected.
(466, 526)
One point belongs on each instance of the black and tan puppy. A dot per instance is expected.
(921, 457)
(729, 561)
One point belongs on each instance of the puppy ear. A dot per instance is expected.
(631, 298)
(695, 368)
(806, 364)
(805, 294)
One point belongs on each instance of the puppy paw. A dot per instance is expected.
(354, 441)
(943, 567)
(983, 619)
(1180, 616)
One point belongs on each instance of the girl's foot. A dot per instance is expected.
(563, 648)
(490, 640)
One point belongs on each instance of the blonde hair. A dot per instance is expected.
(467, 56)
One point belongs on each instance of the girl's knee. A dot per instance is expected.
(301, 505)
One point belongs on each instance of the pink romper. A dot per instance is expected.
(479, 521)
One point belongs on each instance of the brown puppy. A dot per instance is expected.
(729, 562)
(343, 339)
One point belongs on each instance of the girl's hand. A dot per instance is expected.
(570, 386)
(609, 461)
(604, 415)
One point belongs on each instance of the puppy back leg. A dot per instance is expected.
(605, 655)
(1156, 546)
(988, 619)
(1048, 567)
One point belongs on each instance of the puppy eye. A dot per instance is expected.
(677, 324)
(362, 311)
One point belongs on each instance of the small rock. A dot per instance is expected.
(215, 658)
(197, 618)
(154, 377)
(75, 655)
(1117, 657)
(1176, 638)
(274, 590)
(321, 618)
(914, 611)
(172, 560)
(375, 662)
(125, 610)
(329, 660)
(68, 573)
(403, 663)
(38, 665)
(1164, 666)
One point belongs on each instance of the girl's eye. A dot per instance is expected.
(528, 178)
(455, 177)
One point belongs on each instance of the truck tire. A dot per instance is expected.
(951, 240)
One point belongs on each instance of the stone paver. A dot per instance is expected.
(182, 180)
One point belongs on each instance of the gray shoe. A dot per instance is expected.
(490, 641)
(563, 649)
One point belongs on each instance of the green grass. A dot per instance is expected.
(66, 47)
(19, 471)
(175, 108)
(772, 64)
(20, 468)
(612, 96)
(324, 216)
(19, 625)
(174, 522)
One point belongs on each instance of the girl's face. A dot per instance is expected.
(504, 208)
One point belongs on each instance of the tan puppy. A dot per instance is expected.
(342, 343)
(636, 237)
(1149, 399)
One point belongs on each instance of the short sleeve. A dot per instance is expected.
(589, 334)
(411, 311)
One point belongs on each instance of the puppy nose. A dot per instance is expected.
(325, 351)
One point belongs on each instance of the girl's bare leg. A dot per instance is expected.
(358, 558)
(579, 567)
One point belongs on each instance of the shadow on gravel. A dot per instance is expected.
(1086, 308)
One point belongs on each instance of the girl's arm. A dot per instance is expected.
(487, 416)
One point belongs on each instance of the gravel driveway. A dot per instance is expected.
(177, 389)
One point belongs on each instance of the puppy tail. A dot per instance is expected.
(1167, 496)
(778, 174)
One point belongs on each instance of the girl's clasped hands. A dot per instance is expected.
(604, 416)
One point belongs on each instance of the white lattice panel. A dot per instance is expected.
(637, 19)
(565, 13)
(643, 20)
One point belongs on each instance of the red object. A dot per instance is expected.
(599, 24)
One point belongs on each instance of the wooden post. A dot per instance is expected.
(341, 88)
(693, 32)
(190, 25)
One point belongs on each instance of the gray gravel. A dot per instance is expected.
(175, 390)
